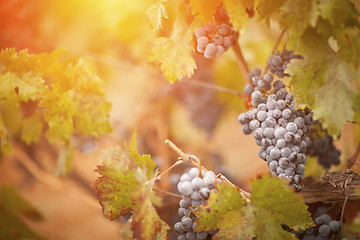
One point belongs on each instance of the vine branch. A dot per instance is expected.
(335, 187)
(241, 61)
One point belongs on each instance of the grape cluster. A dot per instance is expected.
(195, 190)
(278, 62)
(213, 40)
(322, 146)
(257, 83)
(326, 228)
(280, 130)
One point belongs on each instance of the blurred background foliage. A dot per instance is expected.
(112, 37)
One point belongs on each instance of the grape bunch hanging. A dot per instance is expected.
(278, 61)
(213, 40)
(326, 228)
(322, 146)
(195, 190)
(280, 130)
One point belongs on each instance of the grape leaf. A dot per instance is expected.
(146, 222)
(272, 203)
(297, 15)
(32, 128)
(322, 81)
(238, 16)
(14, 88)
(174, 54)
(155, 13)
(116, 184)
(12, 206)
(143, 161)
(265, 8)
(206, 9)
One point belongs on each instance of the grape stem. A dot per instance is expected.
(245, 195)
(352, 160)
(241, 61)
(273, 50)
(158, 176)
(212, 86)
(167, 193)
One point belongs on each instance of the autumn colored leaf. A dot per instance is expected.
(322, 81)
(265, 8)
(174, 54)
(272, 203)
(144, 161)
(32, 129)
(146, 223)
(155, 13)
(116, 183)
(12, 206)
(238, 16)
(205, 9)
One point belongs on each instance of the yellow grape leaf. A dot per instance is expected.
(59, 112)
(146, 223)
(155, 13)
(206, 9)
(91, 117)
(15, 88)
(174, 54)
(32, 128)
(237, 14)
(144, 161)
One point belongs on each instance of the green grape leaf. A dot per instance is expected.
(155, 13)
(12, 206)
(238, 16)
(272, 203)
(206, 9)
(297, 15)
(146, 223)
(339, 13)
(32, 128)
(174, 54)
(322, 81)
(349, 47)
(265, 8)
(116, 183)
(144, 161)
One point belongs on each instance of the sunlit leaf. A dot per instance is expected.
(239, 18)
(155, 14)
(205, 9)
(146, 222)
(272, 203)
(174, 54)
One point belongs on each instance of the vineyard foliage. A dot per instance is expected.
(55, 96)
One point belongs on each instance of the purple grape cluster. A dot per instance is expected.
(257, 83)
(278, 62)
(195, 190)
(326, 228)
(213, 40)
(280, 130)
(323, 147)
